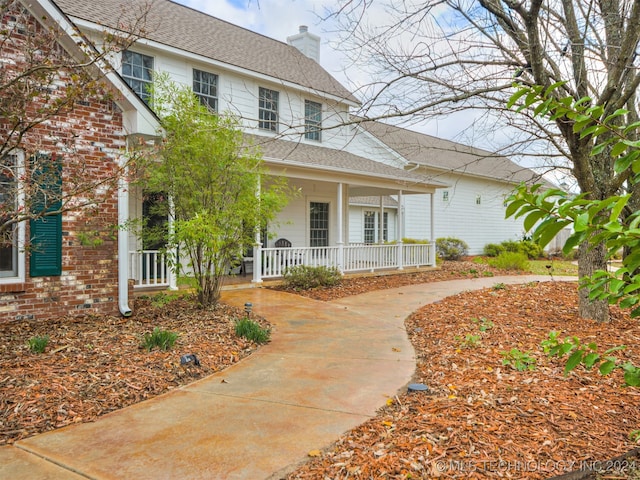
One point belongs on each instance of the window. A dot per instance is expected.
(205, 86)
(8, 203)
(372, 227)
(137, 71)
(478, 199)
(312, 120)
(445, 196)
(369, 227)
(319, 224)
(268, 109)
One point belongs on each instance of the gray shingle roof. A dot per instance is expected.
(329, 158)
(374, 201)
(448, 156)
(190, 30)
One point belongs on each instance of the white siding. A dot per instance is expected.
(461, 217)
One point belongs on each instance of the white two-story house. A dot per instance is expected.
(364, 186)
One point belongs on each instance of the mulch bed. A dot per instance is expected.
(479, 419)
(448, 270)
(483, 419)
(94, 365)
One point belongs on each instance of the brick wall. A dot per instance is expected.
(89, 138)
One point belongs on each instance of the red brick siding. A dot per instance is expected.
(89, 280)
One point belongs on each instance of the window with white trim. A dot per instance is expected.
(318, 224)
(478, 199)
(12, 237)
(312, 120)
(372, 227)
(445, 195)
(8, 203)
(137, 71)
(369, 227)
(268, 109)
(205, 86)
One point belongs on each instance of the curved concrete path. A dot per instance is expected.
(329, 367)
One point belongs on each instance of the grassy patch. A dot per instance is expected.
(553, 267)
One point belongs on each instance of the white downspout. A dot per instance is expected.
(123, 248)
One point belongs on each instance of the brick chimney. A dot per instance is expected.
(307, 43)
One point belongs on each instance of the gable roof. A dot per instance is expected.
(440, 154)
(192, 31)
(138, 117)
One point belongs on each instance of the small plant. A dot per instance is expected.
(159, 300)
(510, 261)
(252, 330)
(588, 356)
(160, 339)
(303, 277)
(484, 324)
(518, 360)
(451, 248)
(487, 274)
(499, 286)
(469, 341)
(38, 344)
(634, 436)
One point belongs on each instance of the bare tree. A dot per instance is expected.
(45, 74)
(440, 57)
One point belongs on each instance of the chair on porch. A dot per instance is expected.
(247, 259)
(283, 243)
(286, 260)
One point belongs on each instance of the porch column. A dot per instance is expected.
(400, 230)
(173, 277)
(340, 239)
(381, 222)
(257, 245)
(432, 228)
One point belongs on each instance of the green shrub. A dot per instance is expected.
(414, 241)
(251, 330)
(531, 249)
(493, 249)
(510, 261)
(303, 277)
(451, 248)
(161, 339)
(38, 344)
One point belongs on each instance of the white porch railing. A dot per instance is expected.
(148, 267)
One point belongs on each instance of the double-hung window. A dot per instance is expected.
(8, 204)
(205, 86)
(372, 227)
(319, 224)
(268, 109)
(137, 71)
(312, 120)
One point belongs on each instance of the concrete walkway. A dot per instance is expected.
(329, 367)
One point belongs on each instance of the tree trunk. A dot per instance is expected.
(591, 259)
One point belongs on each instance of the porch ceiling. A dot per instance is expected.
(365, 177)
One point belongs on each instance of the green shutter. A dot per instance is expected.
(46, 231)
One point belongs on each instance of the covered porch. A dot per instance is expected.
(318, 228)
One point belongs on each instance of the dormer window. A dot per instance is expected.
(268, 109)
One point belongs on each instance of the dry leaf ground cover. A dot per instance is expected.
(94, 365)
(483, 419)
